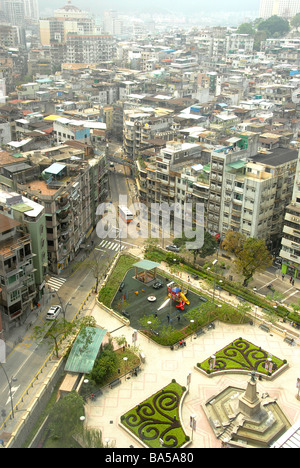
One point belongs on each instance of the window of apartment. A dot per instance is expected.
(12, 279)
(162, 176)
(14, 295)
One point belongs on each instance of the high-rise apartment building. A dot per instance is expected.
(285, 8)
(32, 9)
(14, 11)
(290, 243)
(68, 19)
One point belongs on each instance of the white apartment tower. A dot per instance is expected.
(14, 11)
(284, 8)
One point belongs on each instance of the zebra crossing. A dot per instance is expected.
(110, 245)
(55, 283)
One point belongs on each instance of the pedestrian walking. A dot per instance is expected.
(178, 318)
(291, 279)
(282, 277)
(168, 317)
(293, 282)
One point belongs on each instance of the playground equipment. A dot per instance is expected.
(178, 294)
(164, 304)
(151, 298)
(180, 305)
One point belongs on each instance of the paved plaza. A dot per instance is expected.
(162, 365)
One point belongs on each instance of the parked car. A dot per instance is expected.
(157, 285)
(53, 312)
(121, 287)
(173, 248)
(277, 262)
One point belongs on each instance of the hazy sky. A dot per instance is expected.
(187, 6)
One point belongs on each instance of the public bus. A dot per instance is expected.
(125, 214)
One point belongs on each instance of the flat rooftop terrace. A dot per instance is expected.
(276, 157)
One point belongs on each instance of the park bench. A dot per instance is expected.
(240, 298)
(177, 345)
(288, 340)
(135, 370)
(199, 332)
(264, 327)
(114, 383)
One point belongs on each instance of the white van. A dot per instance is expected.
(53, 312)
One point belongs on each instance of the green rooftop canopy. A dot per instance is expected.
(237, 164)
(85, 350)
(148, 270)
(146, 265)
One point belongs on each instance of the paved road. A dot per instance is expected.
(25, 357)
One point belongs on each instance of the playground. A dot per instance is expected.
(145, 293)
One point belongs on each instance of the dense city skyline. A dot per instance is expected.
(167, 5)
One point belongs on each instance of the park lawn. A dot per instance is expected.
(158, 418)
(241, 355)
(107, 292)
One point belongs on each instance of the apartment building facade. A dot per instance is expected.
(89, 48)
(70, 193)
(290, 243)
(31, 216)
(176, 175)
(250, 195)
(140, 126)
(18, 289)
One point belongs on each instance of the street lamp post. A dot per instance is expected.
(193, 423)
(215, 274)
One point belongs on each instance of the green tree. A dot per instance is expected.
(295, 21)
(208, 248)
(105, 364)
(64, 418)
(252, 258)
(61, 331)
(259, 37)
(251, 254)
(275, 26)
(246, 28)
(91, 438)
(233, 242)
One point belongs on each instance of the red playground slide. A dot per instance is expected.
(180, 305)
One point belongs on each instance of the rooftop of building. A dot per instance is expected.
(276, 156)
